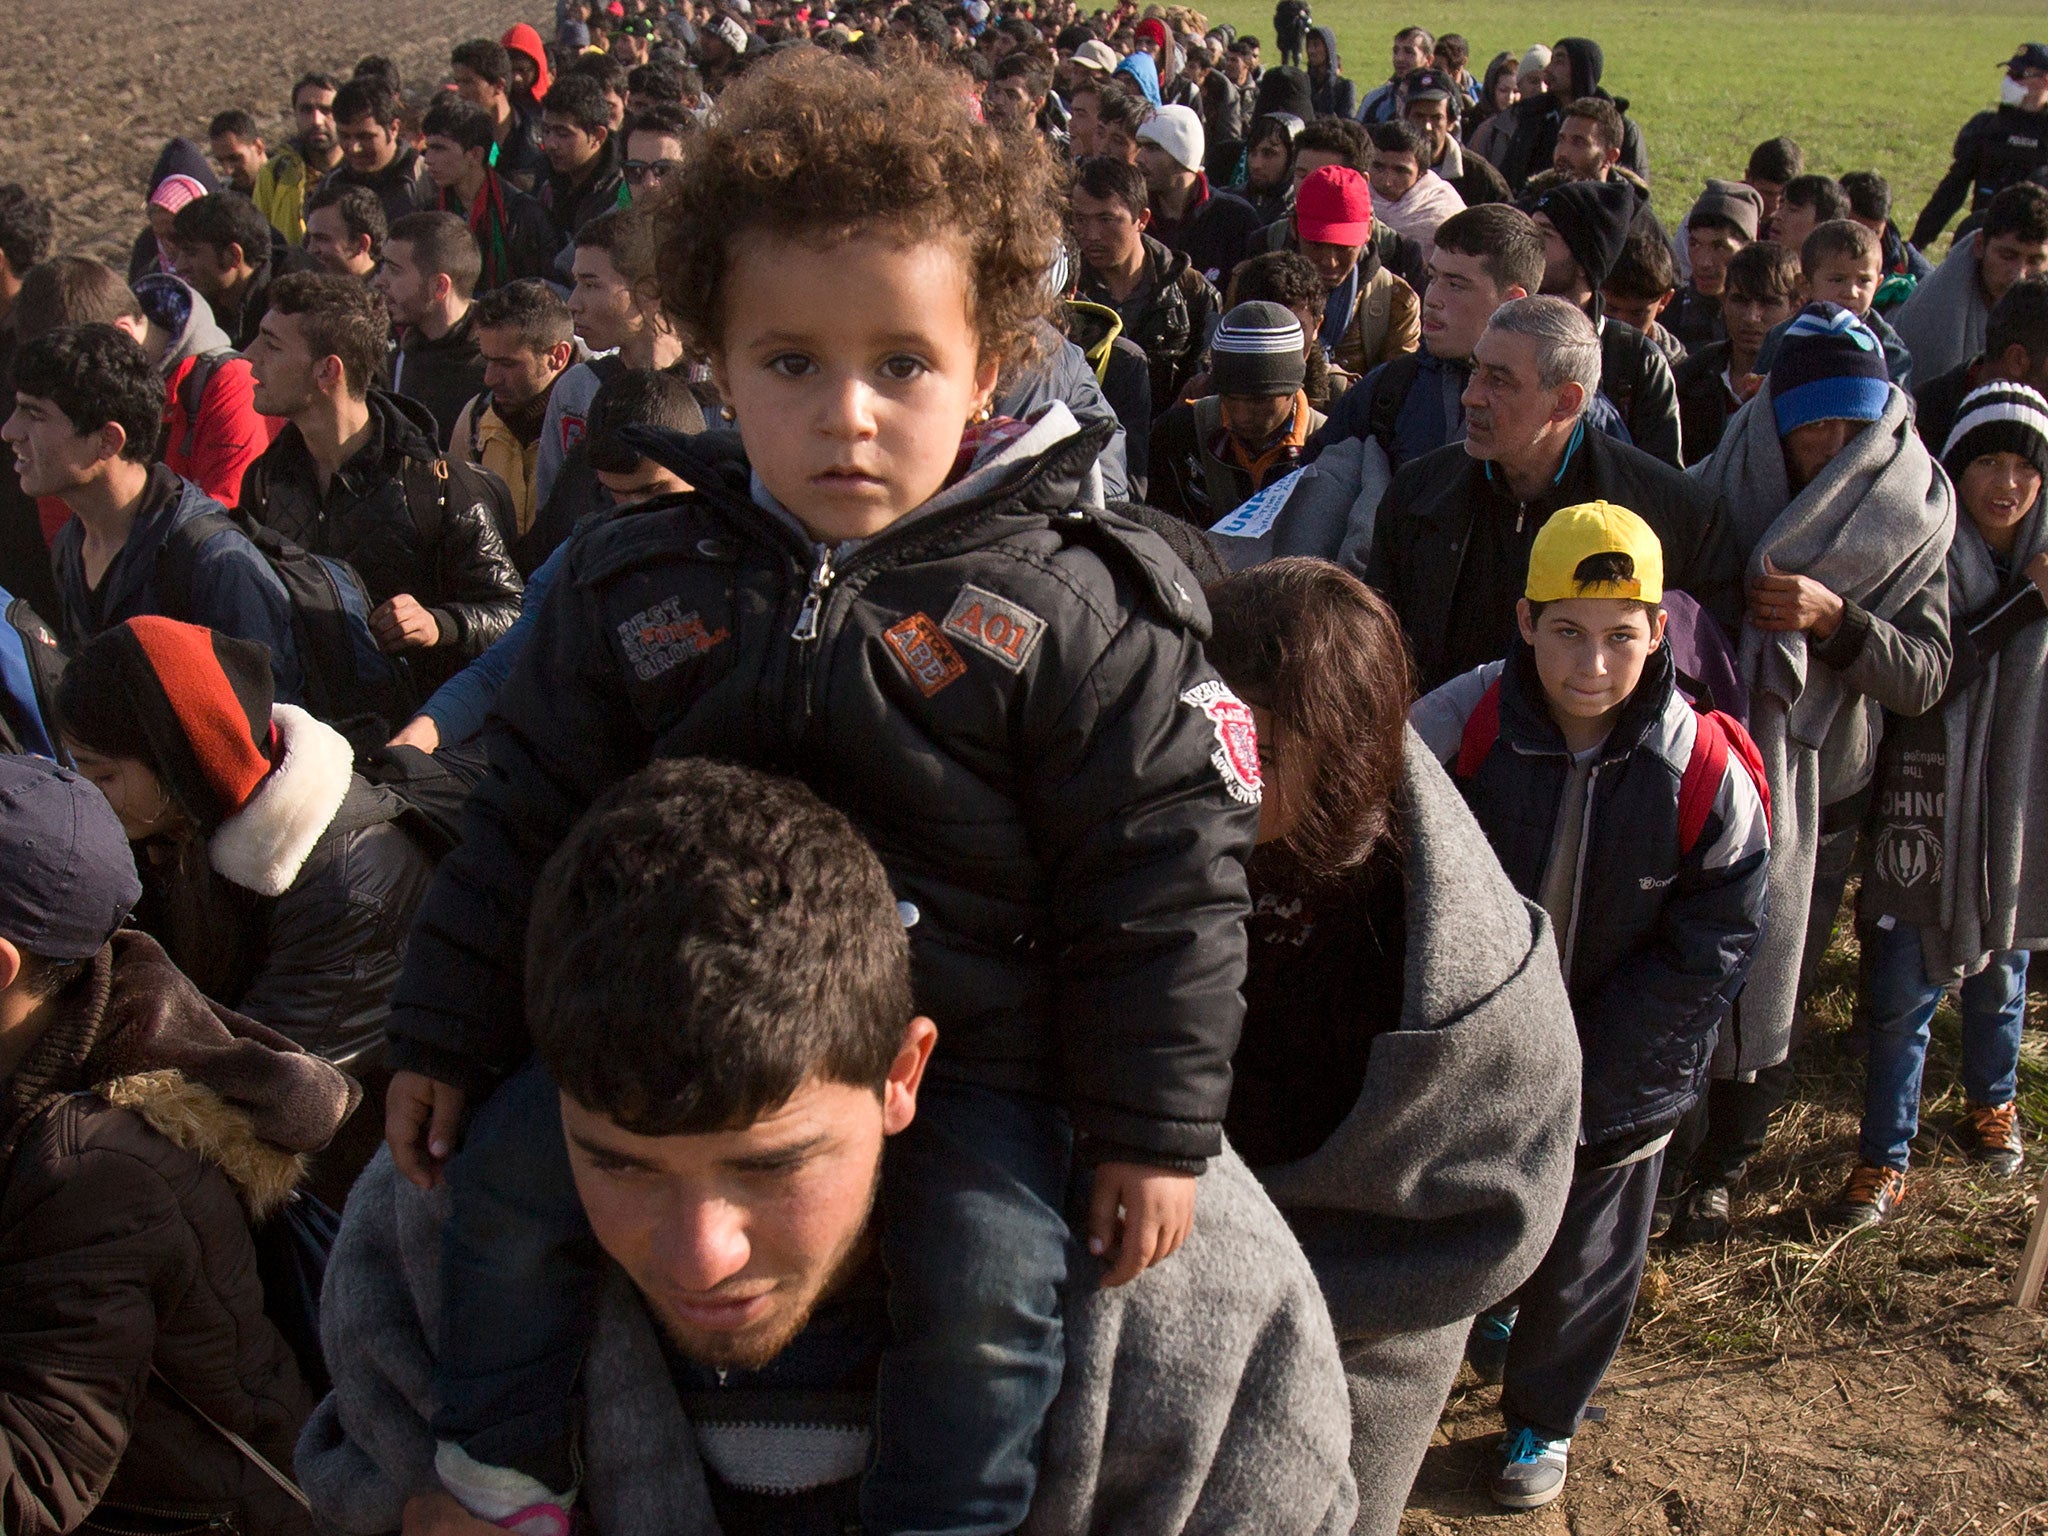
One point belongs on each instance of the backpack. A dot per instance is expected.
(31, 666)
(348, 676)
(1719, 737)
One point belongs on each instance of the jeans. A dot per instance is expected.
(976, 1245)
(1902, 1003)
(520, 1275)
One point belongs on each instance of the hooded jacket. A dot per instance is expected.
(1450, 547)
(213, 445)
(1537, 119)
(178, 157)
(1204, 1397)
(295, 910)
(232, 587)
(1005, 691)
(144, 1132)
(459, 570)
(1438, 1193)
(1660, 938)
(1332, 92)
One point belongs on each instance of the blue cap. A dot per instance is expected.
(67, 877)
(1829, 367)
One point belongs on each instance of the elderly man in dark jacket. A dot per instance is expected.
(141, 1128)
(355, 476)
(1451, 540)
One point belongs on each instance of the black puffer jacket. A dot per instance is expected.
(1006, 694)
(408, 521)
(1660, 938)
(296, 911)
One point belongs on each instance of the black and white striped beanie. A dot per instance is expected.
(1999, 418)
(1258, 350)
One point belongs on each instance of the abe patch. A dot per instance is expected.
(659, 638)
(1237, 741)
(925, 653)
(995, 626)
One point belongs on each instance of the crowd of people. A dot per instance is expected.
(968, 770)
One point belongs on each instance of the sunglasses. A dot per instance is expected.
(649, 170)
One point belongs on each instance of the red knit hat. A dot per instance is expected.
(1334, 207)
(191, 704)
(1151, 30)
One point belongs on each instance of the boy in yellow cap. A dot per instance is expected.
(1639, 824)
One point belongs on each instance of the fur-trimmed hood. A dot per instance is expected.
(264, 845)
(137, 1033)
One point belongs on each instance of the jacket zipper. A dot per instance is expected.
(805, 633)
(1571, 936)
(822, 574)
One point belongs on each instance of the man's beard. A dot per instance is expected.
(751, 1349)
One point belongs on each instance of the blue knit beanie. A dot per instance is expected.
(1829, 368)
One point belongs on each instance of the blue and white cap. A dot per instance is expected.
(1259, 350)
(1829, 367)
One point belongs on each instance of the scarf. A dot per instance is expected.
(487, 222)
(1943, 323)
(1874, 527)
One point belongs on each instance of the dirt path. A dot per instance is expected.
(90, 89)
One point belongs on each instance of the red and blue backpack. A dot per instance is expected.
(1718, 737)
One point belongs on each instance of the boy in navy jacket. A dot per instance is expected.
(1638, 825)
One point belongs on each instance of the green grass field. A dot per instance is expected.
(1860, 84)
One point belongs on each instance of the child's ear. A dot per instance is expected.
(987, 374)
(720, 380)
(1658, 622)
(1525, 619)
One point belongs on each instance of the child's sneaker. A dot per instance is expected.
(1487, 1346)
(1532, 1469)
(1990, 1136)
(1869, 1199)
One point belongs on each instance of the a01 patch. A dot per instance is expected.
(926, 654)
(663, 637)
(1237, 740)
(1009, 632)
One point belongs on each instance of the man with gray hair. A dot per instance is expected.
(1452, 536)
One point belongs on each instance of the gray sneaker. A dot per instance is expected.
(1532, 1470)
(1706, 1216)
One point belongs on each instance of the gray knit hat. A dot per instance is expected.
(1258, 350)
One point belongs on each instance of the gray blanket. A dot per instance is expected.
(1942, 324)
(1205, 1397)
(1873, 527)
(1994, 890)
(1440, 1192)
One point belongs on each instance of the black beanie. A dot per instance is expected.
(1593, 218)
(1999, 418)
(1282, 89)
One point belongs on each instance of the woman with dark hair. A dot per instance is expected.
(1407, 1085)
(1269, 166)
(1501, 90)
(273, 875)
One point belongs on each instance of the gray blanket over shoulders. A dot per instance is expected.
(1943, 323)
(1441, 1190)
(1994, 888)
(1873, 527)
(1205, 1397)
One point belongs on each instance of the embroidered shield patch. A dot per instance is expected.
(659, 638)
(1237, 741)
(925, 653)
(995, 626)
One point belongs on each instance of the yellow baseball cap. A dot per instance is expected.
(1574, 534)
